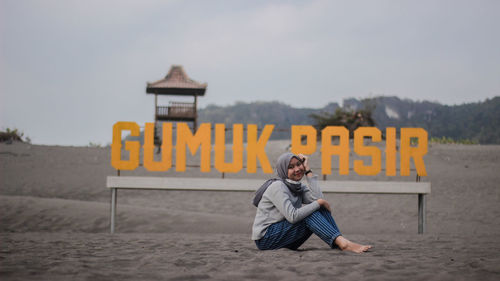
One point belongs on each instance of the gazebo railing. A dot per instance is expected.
(177, 109)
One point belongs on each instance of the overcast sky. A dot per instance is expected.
(70, 69)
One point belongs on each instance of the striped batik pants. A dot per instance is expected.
(284, 234)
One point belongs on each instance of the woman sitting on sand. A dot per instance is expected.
(288, 212)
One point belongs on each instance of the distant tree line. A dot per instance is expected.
(475, 122)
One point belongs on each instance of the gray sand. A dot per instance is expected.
(54, 223)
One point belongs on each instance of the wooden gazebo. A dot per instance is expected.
(176, 83)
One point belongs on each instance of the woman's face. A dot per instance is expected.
(295, 169)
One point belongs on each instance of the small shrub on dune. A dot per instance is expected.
(9, 136)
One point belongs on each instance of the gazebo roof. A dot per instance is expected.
(176, 83)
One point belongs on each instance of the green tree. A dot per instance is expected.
(351, 119)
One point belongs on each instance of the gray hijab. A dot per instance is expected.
(282, 172)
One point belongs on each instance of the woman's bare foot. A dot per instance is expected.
(346, 245)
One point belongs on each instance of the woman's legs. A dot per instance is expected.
(295, 245)
(322, 224)
(330, 233)
(286, 235)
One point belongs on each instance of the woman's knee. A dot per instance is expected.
(322, 212)
(314, 215)
(319, 215)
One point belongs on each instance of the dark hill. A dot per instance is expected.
(478, 122)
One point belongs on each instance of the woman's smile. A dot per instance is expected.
(298, 175)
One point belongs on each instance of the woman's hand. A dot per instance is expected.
(305, 161)
(324, 204)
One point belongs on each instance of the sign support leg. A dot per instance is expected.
(113, 209)
(421, 213)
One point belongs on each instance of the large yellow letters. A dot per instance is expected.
(220, 149)
(417, 153)
(361, 149)
(390, 151)
(131, 146)
(297, 133)
(200, 138)
(327, 149)
(255, 148)
(166, 148)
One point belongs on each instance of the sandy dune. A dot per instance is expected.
(54, 223)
